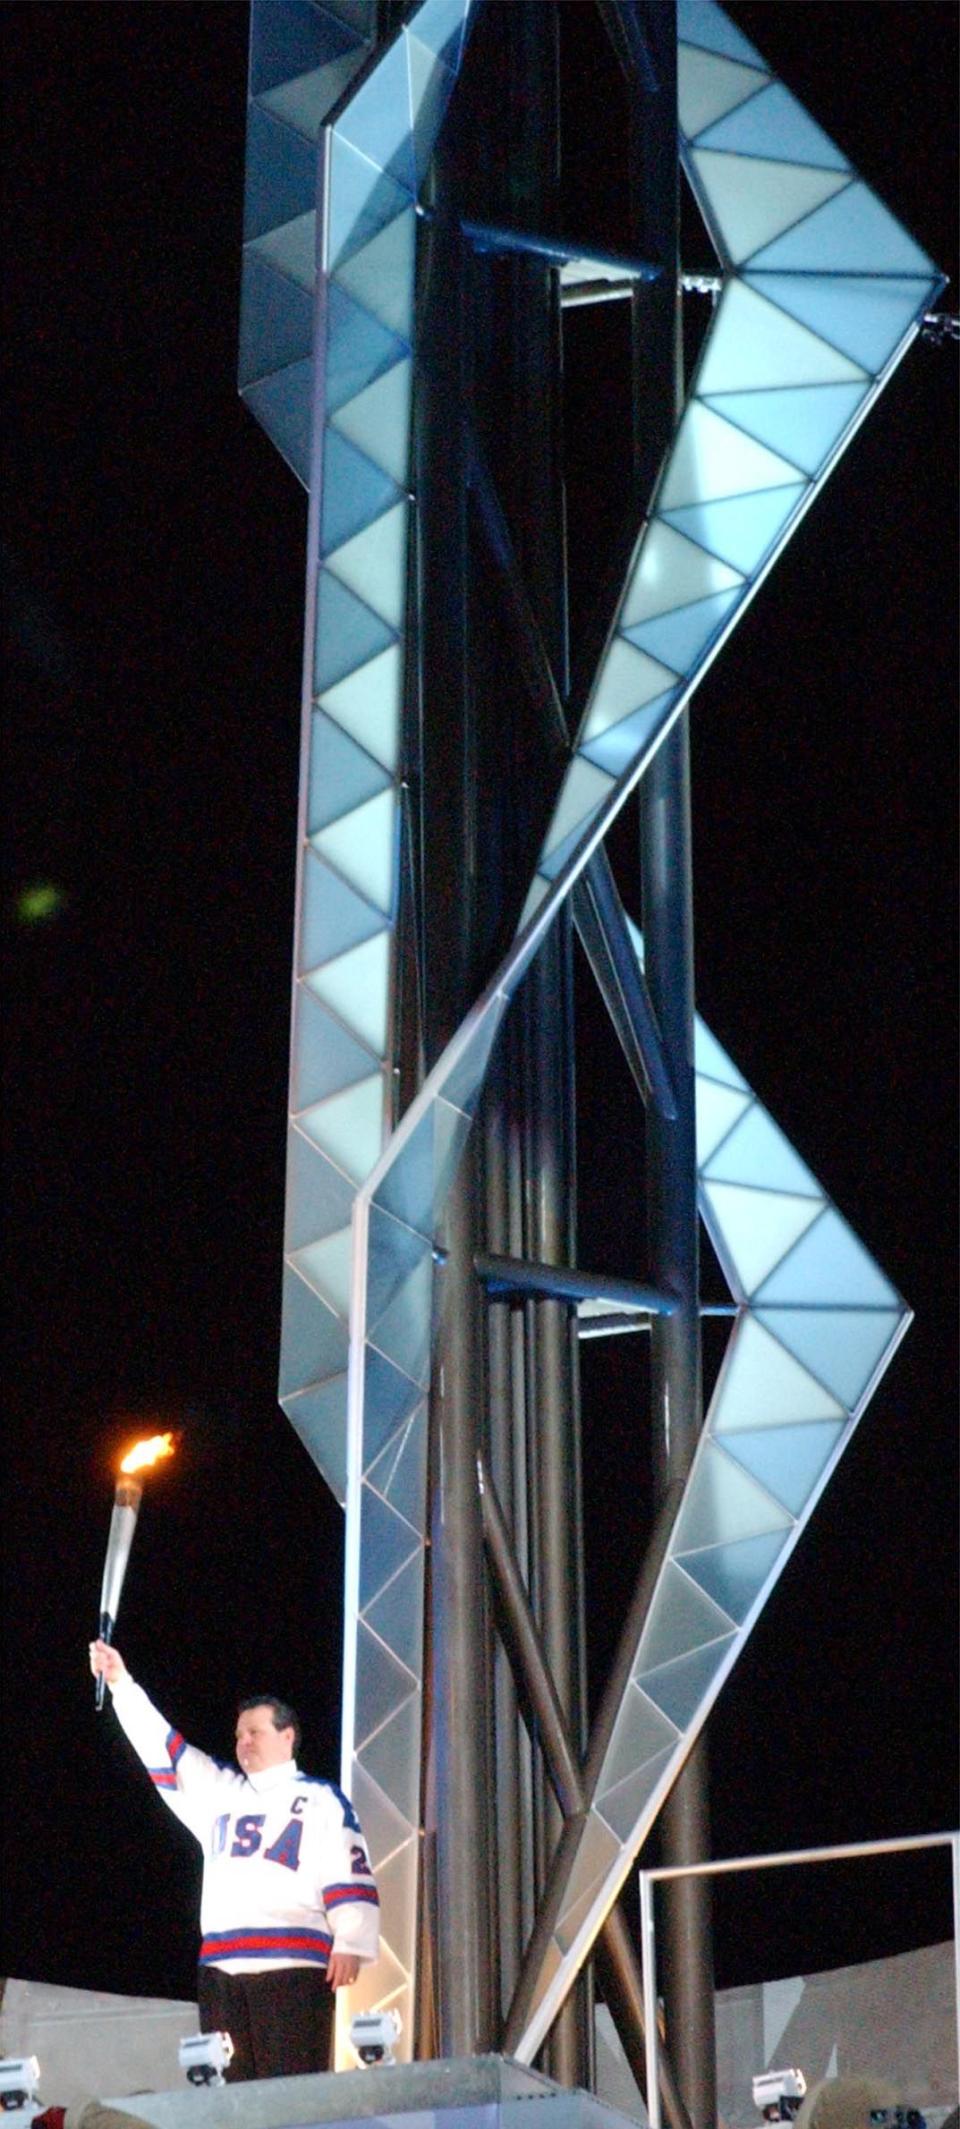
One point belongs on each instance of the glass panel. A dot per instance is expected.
(391, 1403)
(397, 1887)
(787, 1460)
(754, 344)
(283, 405)
(395, 1255)
(431, 86)
(774, 124)
(671, 572)
(465, 1080)
(629, 680)
(752, 201)
(831, 1265)
(623, 1807)
(753, 1229)
(403, 1331)
(743, 530)
(313, 1341)
(325, 1058)
(735, 1574)
(363, 847)
(291, 249)
(347, 633)
(717, 1109)
(710, 459)
(640, 1734)
(377, 119)
(384, 1827)
(595, 1853)
(349, 1127)
(708, 85)
(276, 320)
(393, 1759)
(680, 638)
(289, 38)
(763, 1386)
(400, 1473)
(374, 564)
(804, 423)
(416, 1187)
(355, 491)
(386, 1542)
(681, 1618)
(381, 1979)
(757, 1152)
(574, 1917)
(680, 1688)
(362, 200)
(367, 704)
(326, 1267)
(710, 1059)
(332, 919)
(382, 276)
(281, 174)
(622, 744)
(355, 984)
(843, 1347)
(305, 101)
(383, 1684)
(439, 24)
(721, 1504)
(318, 1200)
(319, 1417)
(378, 421)
(851, 234)
(583, 790)
(341, 775)
(702, 22)
(867, 319)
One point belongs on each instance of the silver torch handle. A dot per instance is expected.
(123, 1523)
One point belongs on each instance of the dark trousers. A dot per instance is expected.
(280, 2022)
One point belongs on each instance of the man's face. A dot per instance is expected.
(259, 1743)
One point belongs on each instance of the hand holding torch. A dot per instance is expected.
(123, 1523)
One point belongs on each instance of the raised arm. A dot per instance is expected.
(187, 1779)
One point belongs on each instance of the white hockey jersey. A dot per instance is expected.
(286, 1875)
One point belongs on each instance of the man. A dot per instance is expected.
(289, 1908)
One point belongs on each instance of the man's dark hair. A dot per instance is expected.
(284, 1717)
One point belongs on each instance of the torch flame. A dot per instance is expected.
(145, 1453)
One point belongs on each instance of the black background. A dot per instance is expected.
(153, 600)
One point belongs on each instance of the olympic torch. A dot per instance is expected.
(123, 1523)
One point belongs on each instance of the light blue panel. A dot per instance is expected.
(851, 233)
(682, 1618)
(281, 174)
(403, 1331)
(325, 1056)
(717, 1111)
(341, 776)
(616, 749)
(710, 1059)
(431, 87)
(400, 1472)
(678, 1688)
(640, 1733)
(290, 38)
(757, 1152)
(318, 1199)
(708, 86)
(407, 1191)
(802, 422)
(276, 320)
(349, 1126)
(356, 986)
(711, 460)
(327, 1266)
(621, 1807)
(865, 318)
(360, 16)
(842, 1347)
(393, 1758)
(390, 1403)
(332, 920)
(553, 864)
(753, 201)
(440, 25)
(374, 564)
(347, 633)
(733, 1575)
(466, 1079)
(384, 1828)
(319, 1416)
(313, 1341)
(753, 344)
(377, 119)
(382, 276)
(773, 124)
(679, 638)
(383, 1685)
(397, 1615)
(367, 705)
(743, 530)
(359, 348)
(362, 200)
(291, 249)
(354, 491)
(701, 22)
(449, 1141)
(753, 1229)
(307, 99)
(762, 1385)
(721, 1504)
(363, 846)
(829, 1264)
(787, 1460)
(281, 404)
(386, 1541)
(394, 1252)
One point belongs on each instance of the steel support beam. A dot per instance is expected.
(507, 1278)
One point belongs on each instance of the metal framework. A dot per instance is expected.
(405, 279)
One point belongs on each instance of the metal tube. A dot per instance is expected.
(526, 1648)
(495, 236)
(598, 888)
(508, 1277)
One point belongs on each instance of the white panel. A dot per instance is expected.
(710, 459)
(757, 1227)
(753, 200)
(583, 787)
(753, 345)
(628, 679)
(362, 847)
(367, 705)
(326, 1265)
(672, 572)
(377, 420)
(356, 986)
(763, 1386)
(349, 1127)
(721, 1503)
(717, 1111)
(711, 1059)
(759, 1152)
(374, 564)
(708, 87)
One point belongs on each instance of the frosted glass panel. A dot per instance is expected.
(325, 1056)
(756, 1227)
(378, 420)
(753, 344)
(774, 124)
(711, 459)
(762, 1385)
(381, 276)
(629, 679)
(842, 1347)
(595, 1853)
(830, 1264)
(367, 704)
(431, 85)
(753, 200)
(314, 1341)
(622, 744)
(713, 1061)
(289, 39)
(318, 1200)
(701, 22)
(355, 985)
(377, 119)
(735, 1574)
(393, 1757)
(384, 1828)
(291, 248)
(362, 200)
(671, 572)
(349, 1127)
(866, 318)
(305, 101)
(281, 176)
(757, 1152)
(439, 24)
(400, 1472)
(282, 406)
(340, 774)
(682, 1618)
(680, 1687)
(354, 491)
(363, 848)
(623, 1806)
(359, 348)
(852, 231)
(803, 423)
(744, 530)
(721, 1503)
(640, 1734)
(391, 1403)
(584, 788)
(708, 85)
(788, 1460)
(326, 1267)
(319, 1417)
(374, 564)
(347, 633)
(386, 1541)
(276, 320)
(717, 1111)
(382, 1683)
(680, 638)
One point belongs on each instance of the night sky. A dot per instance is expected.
(153, 566)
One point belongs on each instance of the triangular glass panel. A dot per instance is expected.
(324, 1056)
(362, 200)
(734, 1574)
(851, 234)
(281, 174)
(332, 919)
(319, 1417)
(752, 1229)
(359, 349)
(552, 863)
(440, 25)
(400, 1472)
(276, 320)
(774, 124)
(397, 1887)
(382, 277)
(392, 1757)
(830, 1264)
(641, 1733)
(355, 491)
(349, 1127)
(403, 1331)
(573, 1917)
(721, 1503)
(288, 40)
(389, 1401)
(711, 1060)
(384, 1827)
(394, 1252)
(584, 789)
(787, 1460)
(431, 87)
(762, 1385)
(367, 705)
(708, 86)
(624, 1806)
(680, 1688)
(318, 1201)
(374, 564)
(347, 633)
(326, 1266)
(383, 1685)
(306, 100)
(752, 201)
(386, 1542)
(629, 679)
(717, 1111)
(313, 1341)
(804, 422)
(681, 1618)
(397, 1614)
(758, 1152)
(621, 745)
(377, 120)
(356, 986)
(702, 22)
(671, 572)
(842, 1347)
(282, 404)
(378, 420)
(753, 344)
(595, 1853)
(711, 460)
(291, 248)
(680, 638)
(463, 1083)
(866, 318)
(742, 530)
(341, 775)
(363, 847)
